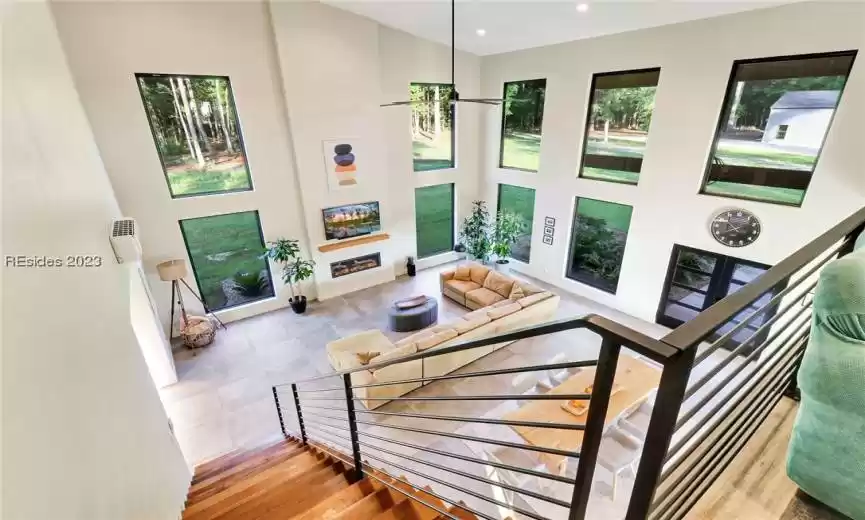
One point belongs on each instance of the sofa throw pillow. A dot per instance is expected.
(516, 292)
(364, 357)
(394, 354)
(499, 284)
(478, 273)
(529, 289)
(463, 273)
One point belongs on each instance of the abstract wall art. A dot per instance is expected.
(341, 163)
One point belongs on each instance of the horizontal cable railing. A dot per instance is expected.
(720, 376)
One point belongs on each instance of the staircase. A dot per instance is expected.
(289, 481)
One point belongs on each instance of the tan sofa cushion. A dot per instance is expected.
(516, 292)
(499, 312)
(364, 357)
(345, 361)
(535, 298)
(463, 273)
(479, 273)
(499, 283)
(461, 286)
(529, 289)
(396, 353)
(472, 324)
(484, 297)
(501, 304)
(370, 340)
(480, 312)
(437, 338)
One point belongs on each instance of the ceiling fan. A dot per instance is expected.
(454, 96)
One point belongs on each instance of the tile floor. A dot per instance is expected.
(224, 401)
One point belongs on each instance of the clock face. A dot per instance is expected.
(736, 227)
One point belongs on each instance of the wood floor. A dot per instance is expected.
(288, 481)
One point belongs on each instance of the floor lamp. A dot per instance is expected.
(174, 271)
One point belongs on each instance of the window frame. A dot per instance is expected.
(502, 129)
(195, 272)
(453, 218)
(569, 258)
(588, 123)
(531, 221)
(453, 161)
(721, 122)
(143, 75)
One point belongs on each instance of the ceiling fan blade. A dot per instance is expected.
(402, 103)
(482, 101)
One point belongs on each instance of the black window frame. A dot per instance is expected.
(453, 108)
(723, 117)
(453, 217)
(504, 116)
(529, 223)
(569, 274)
(236, 115)
(195, 272)
(592, 88)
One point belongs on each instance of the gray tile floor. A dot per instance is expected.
(223, 400)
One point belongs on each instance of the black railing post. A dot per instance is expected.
(279, 411)
(352, 426)
(662, 425)
(299, 413)
(601, 390)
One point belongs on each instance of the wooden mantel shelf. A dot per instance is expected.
(351, 242)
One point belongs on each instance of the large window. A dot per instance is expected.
(432, 126)
(521, 201)
(617, 126)
(225, 251)
(434, 219)
(776, 115)
(598, 239)
(194, 124)
(522, 118)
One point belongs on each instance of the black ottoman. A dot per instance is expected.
(413, 318)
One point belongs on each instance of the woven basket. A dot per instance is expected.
(199, 332)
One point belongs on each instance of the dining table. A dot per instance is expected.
(634, 381)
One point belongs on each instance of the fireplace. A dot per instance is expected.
(355, 265)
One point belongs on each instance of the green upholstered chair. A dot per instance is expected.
(826, 457)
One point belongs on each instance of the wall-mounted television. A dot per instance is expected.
(351, 220)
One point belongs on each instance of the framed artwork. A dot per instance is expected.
(548, 240)
(548, 231)
(550, 221)
(341, 163)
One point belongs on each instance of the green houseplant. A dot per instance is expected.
(507, 228)
(295, 269)
(250, 285)
(475, 232)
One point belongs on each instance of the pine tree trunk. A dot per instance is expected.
(197, 116)
(199, 158)
(437, 108)
(606, 130)
(182, 120)
(229, 147)
(731, 122)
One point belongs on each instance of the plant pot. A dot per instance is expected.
(503, 265)
(298, 304)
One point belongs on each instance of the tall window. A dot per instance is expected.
(775, 118)
(225, 251)
(522, 118)
(434, 219)
(598, 239)
(521, 201)
(432, 126)
(617, 127)
(194, 125)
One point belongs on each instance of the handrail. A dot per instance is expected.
(627, 337)
(691, 333)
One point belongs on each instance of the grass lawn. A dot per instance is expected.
(434, 219)
(617, 148)
(753, 154)
(221, 246)
(432, 154)
(521, 151)
(610, 175)
(193, 182)
(762, 193)
(522, 202)
(617, 216)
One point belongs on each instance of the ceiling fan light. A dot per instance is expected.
(582, 8)
(481, 32)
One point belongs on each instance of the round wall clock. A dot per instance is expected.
(735, 227)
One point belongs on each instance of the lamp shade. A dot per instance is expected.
(171, 270)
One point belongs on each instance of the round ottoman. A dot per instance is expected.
(413, 318)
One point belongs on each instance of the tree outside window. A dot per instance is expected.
(522, 119)
(432, 126)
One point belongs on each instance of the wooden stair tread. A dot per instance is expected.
(341, 500)
(404, 510)
(244, 466)
(370, 506)
(294, 501)
(235, 457)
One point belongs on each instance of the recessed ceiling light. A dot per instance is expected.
(582, 8)
(481, 32)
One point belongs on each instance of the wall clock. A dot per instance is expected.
(735, 227)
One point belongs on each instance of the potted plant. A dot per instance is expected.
(507, 228)
(475, 232)
(294, 269)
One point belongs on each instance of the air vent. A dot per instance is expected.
(123, 228)
(124, 240)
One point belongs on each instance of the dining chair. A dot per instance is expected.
(635, 420)
(618, 452)
(561, 375)
(512, 457)
(528, 383)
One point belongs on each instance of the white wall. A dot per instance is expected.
(84, 433)
(337, 69)
(695, 60)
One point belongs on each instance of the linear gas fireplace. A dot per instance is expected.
(355, 265)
